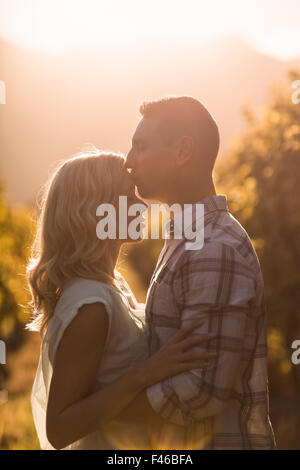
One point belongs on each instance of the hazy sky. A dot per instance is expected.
(272, 26)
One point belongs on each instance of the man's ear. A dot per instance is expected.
(184, 150)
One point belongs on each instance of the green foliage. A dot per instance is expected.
(15, 238)
(261, 177)
(262, 180)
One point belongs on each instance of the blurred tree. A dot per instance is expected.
(15, 238)
(261, 177)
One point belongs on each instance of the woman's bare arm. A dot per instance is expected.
(73, 410)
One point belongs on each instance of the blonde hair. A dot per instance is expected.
(66, 245)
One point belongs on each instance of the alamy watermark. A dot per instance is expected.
(3, 393)
(187, 224)
(2, 352)
(296, 93)
(2, 92)
(296, 354)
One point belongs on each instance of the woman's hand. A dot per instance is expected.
(176, 356)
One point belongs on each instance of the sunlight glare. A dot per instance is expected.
(63, 24)
(58, 25)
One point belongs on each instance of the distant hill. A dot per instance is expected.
(57, 103)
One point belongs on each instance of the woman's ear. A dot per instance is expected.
(184, 150)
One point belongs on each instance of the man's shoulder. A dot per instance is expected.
(227, 230)
(225, 240)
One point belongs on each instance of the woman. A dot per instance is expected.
(94, 355)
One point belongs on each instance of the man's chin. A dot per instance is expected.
(145, 193)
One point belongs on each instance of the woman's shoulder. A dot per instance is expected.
(83, 285)
(80, 291)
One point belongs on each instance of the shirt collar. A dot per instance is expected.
(211, 204)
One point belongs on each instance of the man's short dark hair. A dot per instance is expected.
(184, 115)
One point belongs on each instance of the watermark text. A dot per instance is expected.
(296, 93)
(2, 92)
(296, 354)
(130, 222)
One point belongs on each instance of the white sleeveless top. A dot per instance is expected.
(126, 345)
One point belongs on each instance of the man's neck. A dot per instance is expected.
(190, 195)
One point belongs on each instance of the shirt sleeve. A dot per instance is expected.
(217, 285)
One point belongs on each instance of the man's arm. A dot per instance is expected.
(218, 287)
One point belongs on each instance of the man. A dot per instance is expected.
(224, 405)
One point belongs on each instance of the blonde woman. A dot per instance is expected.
(94, 355)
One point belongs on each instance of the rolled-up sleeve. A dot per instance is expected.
(217, 285)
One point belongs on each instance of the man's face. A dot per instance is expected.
(151, 160)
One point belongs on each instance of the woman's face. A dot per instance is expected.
(130, 211)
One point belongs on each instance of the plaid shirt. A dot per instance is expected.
(225, 404)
